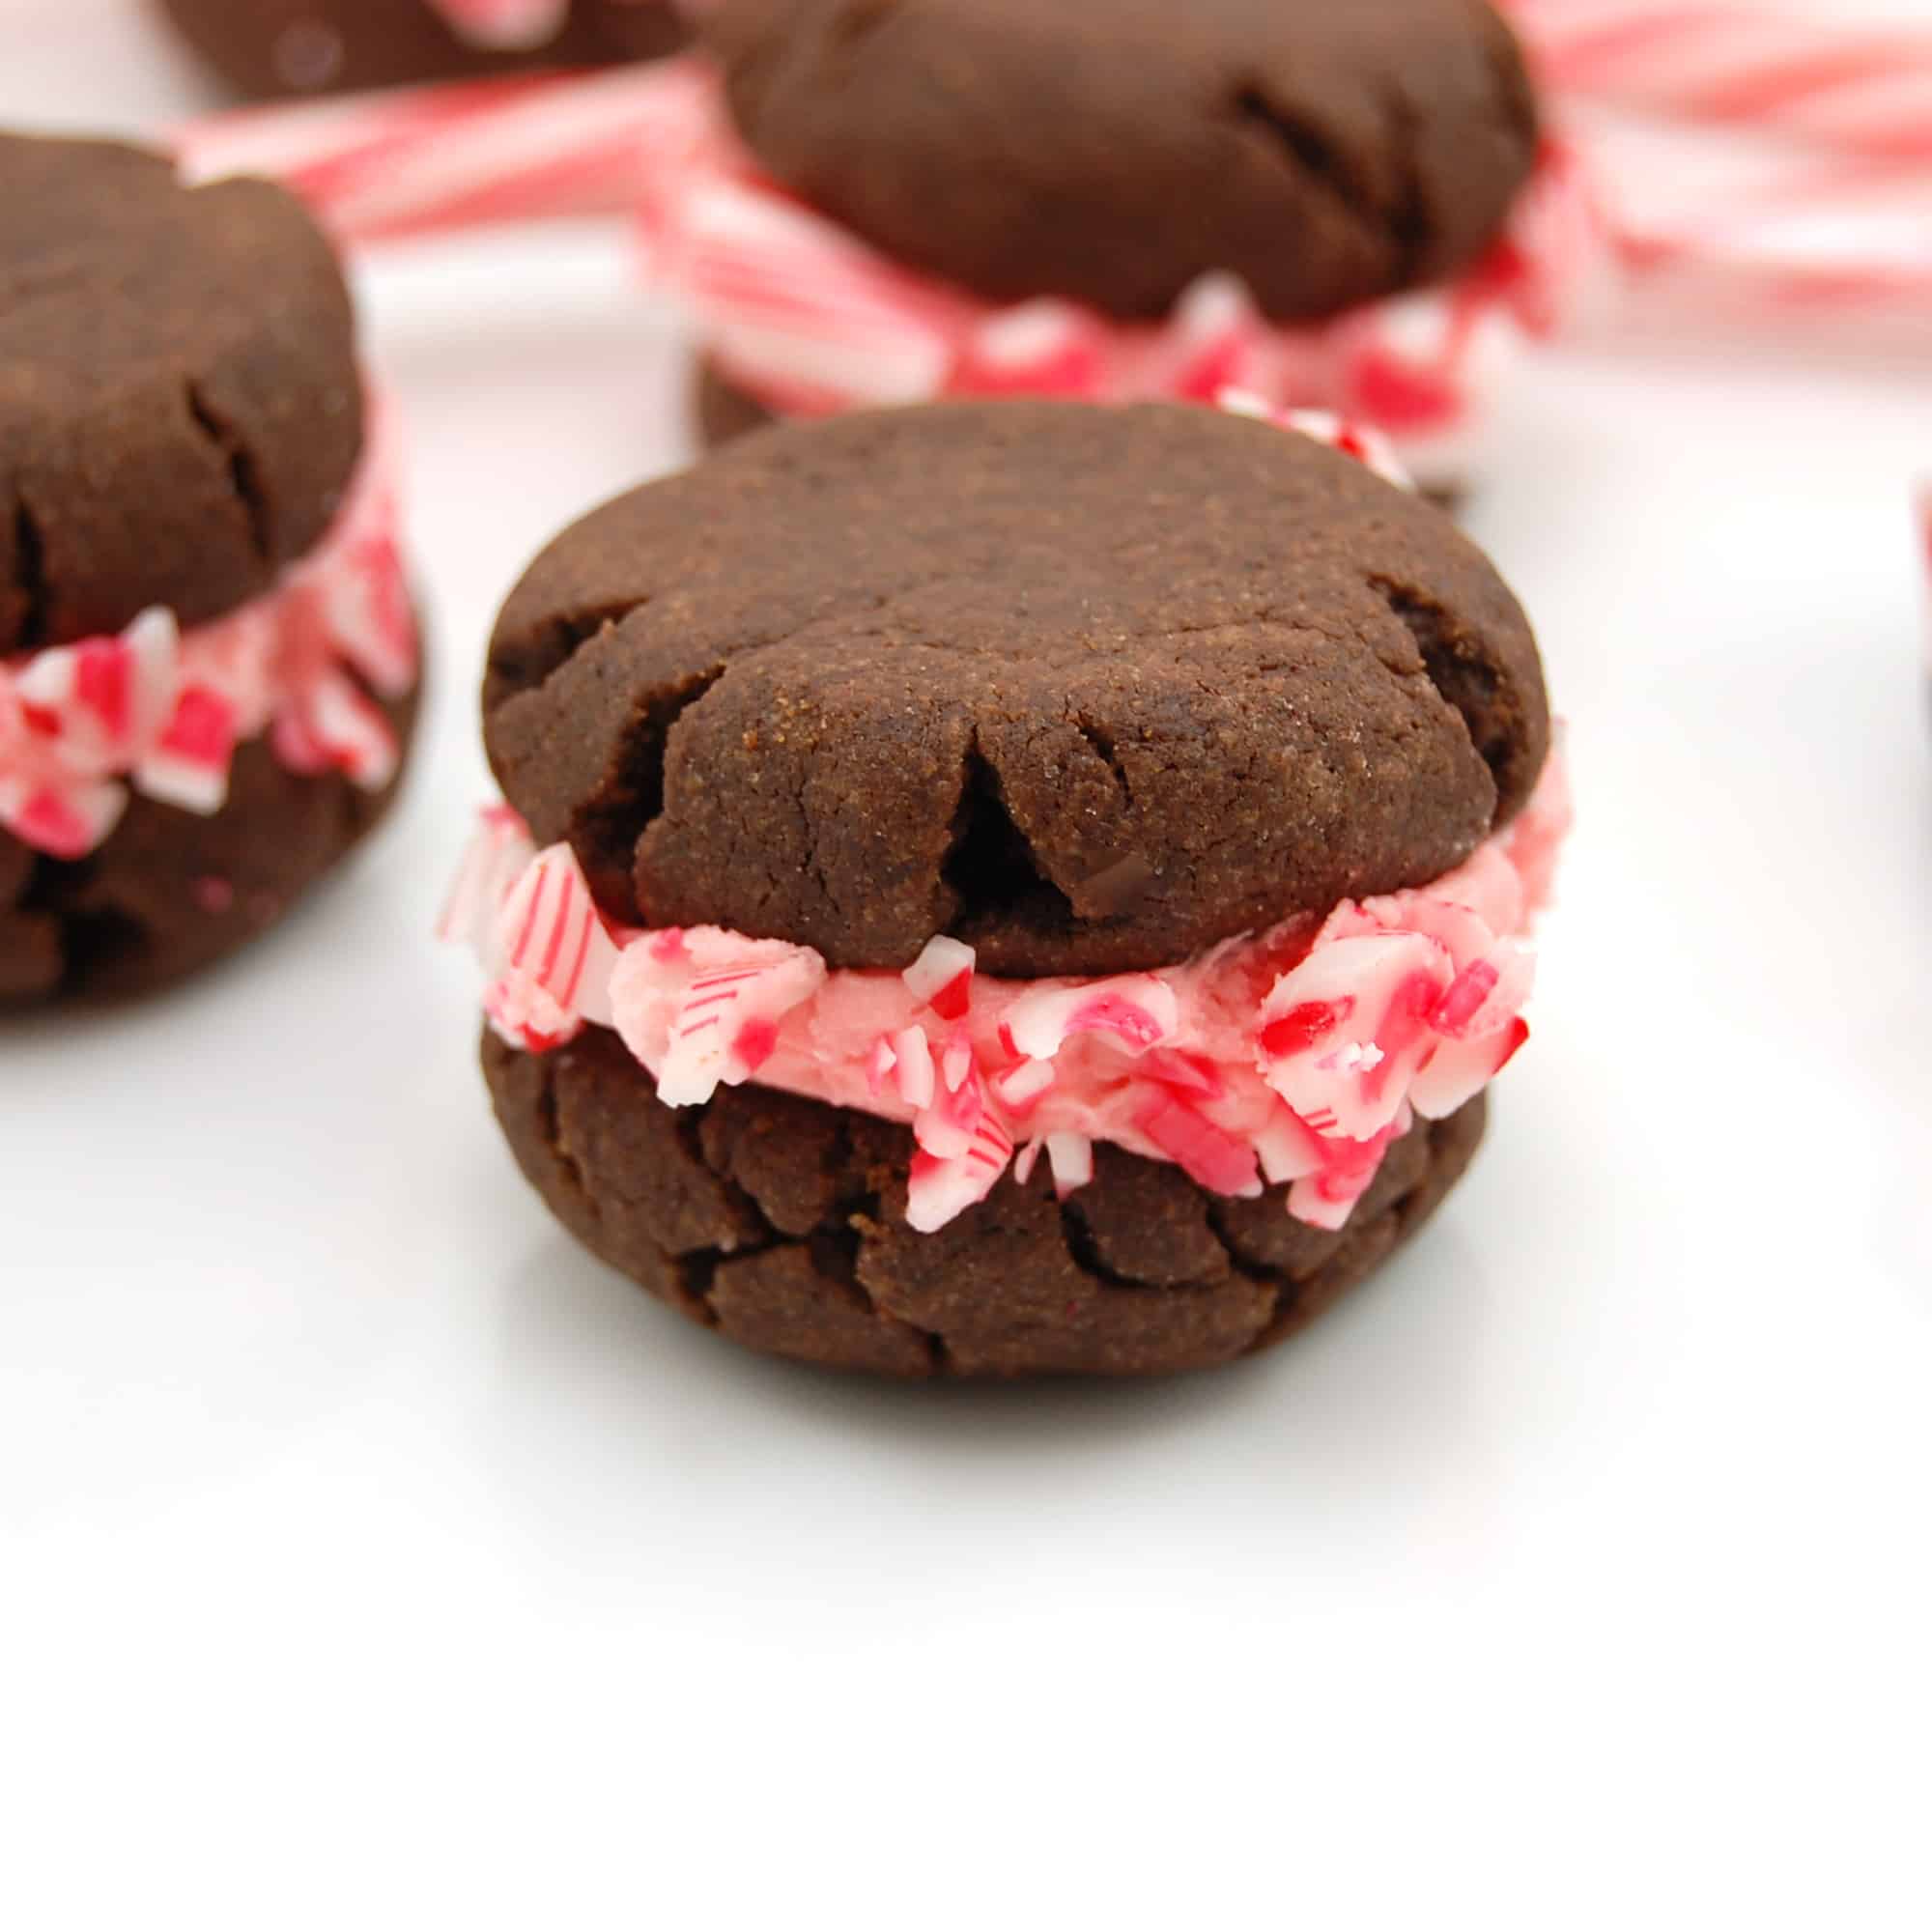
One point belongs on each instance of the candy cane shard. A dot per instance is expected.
(1020, 1089)
(102, 699)
(942, 978)
(1208, 1156)
(1044, 344)
(515, 25)
(1216, 339)
(1028, 1157)
(1326, 1198)
(723, 1017)
(66, 821)
(941, 1188)
(499, 854)
(369, 617)
(1135, 1010)
(1343, 1034)
(71, 720)
(946, 1126)
(913, 1070)
(1070, 1156)
(554, 957)
(188, 764)
(331, 726)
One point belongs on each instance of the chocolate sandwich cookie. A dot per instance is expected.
(1114, 151)
(208, 657)
(263, 49)
(1007, 888)
(1345, 208)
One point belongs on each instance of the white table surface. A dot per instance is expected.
(370, 1557)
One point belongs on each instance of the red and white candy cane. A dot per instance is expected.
(1865, 89)
(1716, 229)
(429, 160)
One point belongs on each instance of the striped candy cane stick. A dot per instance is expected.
(1865, 89)
(1767, 229)
(427, 161)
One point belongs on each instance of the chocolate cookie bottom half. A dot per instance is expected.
(780, 1222)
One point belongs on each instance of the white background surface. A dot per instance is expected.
(368, 1557)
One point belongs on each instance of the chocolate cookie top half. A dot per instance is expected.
(1327, 152)
(179, 408)
(1089, 688)
(266, 47)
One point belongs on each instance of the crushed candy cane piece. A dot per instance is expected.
(555, 958)
(916, 1079)
(759, 979)
(941, 1188)
(1137, 1010)
(942, 978)
(1070, 1156)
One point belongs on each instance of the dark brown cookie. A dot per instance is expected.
(263, 49)
(1090, 688)
(1327, 152)
(179, 408)
(170, 892)
(721, 412)
(779, 1222)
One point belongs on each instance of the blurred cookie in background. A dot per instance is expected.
(268, 49)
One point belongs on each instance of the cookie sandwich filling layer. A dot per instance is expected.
(809, 319)
(160, 711)
(1298, 1055)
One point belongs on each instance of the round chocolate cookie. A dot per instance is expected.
(782, 1223)
(1091, 689)
(181, 418)
(263, 49)
(1327, 154)
(180, 405)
